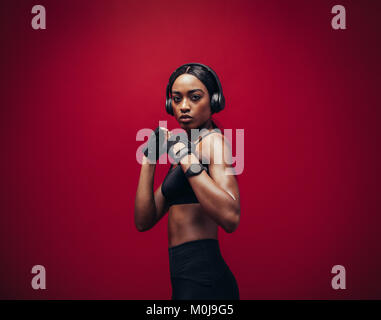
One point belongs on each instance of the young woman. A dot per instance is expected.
(197, 191)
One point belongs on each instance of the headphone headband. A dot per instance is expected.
(217, 100)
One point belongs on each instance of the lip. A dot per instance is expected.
(185, 118)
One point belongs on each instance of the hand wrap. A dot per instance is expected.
(189, 147)
(156, 145)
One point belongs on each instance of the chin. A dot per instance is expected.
(187, 125)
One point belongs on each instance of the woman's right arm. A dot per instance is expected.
(150, 207)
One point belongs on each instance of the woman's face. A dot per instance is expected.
(190, 101)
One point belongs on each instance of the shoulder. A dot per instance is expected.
(215, 147)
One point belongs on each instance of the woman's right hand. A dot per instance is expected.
(167, 133)
(156, 145)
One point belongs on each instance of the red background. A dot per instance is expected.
(74, 96)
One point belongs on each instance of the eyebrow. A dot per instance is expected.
(190, 91)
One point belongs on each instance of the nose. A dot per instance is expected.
(184, 106)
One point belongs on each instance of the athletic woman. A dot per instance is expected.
(197, 191)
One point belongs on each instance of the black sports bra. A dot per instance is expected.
(176, 188)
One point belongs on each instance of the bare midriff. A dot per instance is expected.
(188, 222)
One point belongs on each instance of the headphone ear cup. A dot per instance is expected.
(214, 102)
(168, 102)
(168, 106)
(221, 102)
(217, 102)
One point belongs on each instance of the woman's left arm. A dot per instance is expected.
(218, 193)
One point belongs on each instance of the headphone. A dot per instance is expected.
(217, 101)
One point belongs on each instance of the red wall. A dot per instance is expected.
(73, 97)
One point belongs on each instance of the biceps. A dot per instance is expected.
(231, 187)
(228, 183)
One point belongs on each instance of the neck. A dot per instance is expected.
(206, 125)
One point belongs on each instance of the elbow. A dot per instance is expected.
(138, 224)
(140, 227)
(232, 222)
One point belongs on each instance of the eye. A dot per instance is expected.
(176, 99)
(195, 97)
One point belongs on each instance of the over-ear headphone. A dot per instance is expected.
(217, 101)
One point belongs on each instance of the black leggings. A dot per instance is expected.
(198, 272)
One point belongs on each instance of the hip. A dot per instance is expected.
(198, 260)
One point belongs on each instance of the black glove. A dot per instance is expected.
(189, 147)
(156, 145)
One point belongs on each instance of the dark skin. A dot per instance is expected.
(217, 193)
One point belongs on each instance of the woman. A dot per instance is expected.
(198, 193)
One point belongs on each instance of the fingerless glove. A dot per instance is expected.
(189, 147)
(156, 145)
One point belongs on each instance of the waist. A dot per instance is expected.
(187, 223)
(201, 243)
(198, 260)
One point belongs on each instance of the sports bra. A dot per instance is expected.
(176, 188)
